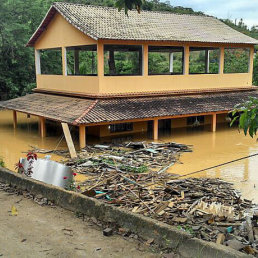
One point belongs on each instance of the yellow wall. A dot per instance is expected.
(62, 34)
(81, 84)
(116, 84)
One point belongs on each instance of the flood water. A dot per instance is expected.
(209, 149)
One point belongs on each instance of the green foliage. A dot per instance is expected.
(2, 163)
(236, 60)
(255, 71)
(129, 5)
(247, 114)
(19, 19)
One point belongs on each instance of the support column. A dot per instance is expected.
(42, 126)
(186, 59)
(221, 60)
(207, 61)
(155, 129)
(82, 136)
(100, 57)
(213, 122)
(171, 62)
(251, 62)
(145, 60)
(69, 140)
(37, 62)
(14, 119)
(64, 60)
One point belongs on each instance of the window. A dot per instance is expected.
(51, 61)
(82, 60)
(204, 60)
(166, 60)
(195, 120)
(123, 60)
(124, 127)
(236, 60)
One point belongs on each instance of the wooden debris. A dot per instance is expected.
(133, 157)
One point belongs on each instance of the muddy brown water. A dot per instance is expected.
(209, 149)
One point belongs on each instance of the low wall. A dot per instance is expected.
(164, 235)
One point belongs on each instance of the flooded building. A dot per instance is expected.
(113, 74)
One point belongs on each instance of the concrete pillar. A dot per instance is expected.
(37, 62)
(251, 61)
(213, 122)
(14, 119)
(42, 126)
(82, 136)
(155, 129)
(207, 61)
(100, 57)
(171, 62)
(145, 60)
(64, 61)
(221, 60)
(186, 59)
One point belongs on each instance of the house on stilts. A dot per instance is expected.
(109, 73)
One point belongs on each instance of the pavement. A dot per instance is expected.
(46, 231)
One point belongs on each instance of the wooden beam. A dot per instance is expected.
(214, 122)
(42, 126)
(69, 140)
(155, 129)
(14, 119)
(82, 136)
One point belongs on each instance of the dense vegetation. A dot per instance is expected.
(19, 19)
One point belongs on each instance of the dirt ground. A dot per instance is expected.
(44, 231)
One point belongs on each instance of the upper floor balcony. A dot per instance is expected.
(118, 57)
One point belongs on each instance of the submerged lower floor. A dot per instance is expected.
(209, 148)
(125, 115)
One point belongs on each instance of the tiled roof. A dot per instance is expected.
(108, 23)
(53, 107)
(85, 111)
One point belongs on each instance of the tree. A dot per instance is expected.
(247, 114)
(129, 5)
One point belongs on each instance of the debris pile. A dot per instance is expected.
(135, 157)
(209, 209)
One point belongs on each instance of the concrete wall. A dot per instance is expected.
(164, 235)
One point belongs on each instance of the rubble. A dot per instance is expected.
(209, 209)
(133, 176)
(108, 232)
(135, 157)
